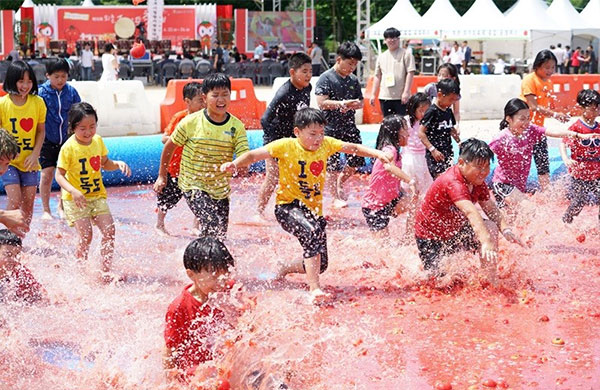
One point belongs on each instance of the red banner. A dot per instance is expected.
(75, 23)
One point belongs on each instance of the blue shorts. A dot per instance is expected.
(24, 179)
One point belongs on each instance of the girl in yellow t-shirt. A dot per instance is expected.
(23, 114)
(80, 161)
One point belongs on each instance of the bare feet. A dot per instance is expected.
(61, 213)
(161, 230)
(46, 216)
(339, 203)
(195, 232)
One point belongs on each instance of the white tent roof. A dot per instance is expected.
(565, 15)
(404, 17)
(441, 16)
(530, 15)
(591, 13)
(482, 21)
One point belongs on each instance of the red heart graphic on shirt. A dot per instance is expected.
(26, 124)
(95, 162)
(316, 167)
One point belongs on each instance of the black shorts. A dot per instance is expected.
(501, 192)
(213, 214)
(49, 154)
(541, 157)
(392, 107)
(336, 162)
(430, 251)
(170, 195)
(435, 167)
(379, 219)
(309, 229)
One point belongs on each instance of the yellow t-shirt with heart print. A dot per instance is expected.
(302, 172)
(83, 164)
(22, 122)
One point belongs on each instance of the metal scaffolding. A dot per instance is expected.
(277, 5)
(363, 21)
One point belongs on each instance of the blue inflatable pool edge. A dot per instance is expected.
(142, 153)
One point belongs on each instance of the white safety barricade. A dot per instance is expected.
(122, 106)
(484, 96)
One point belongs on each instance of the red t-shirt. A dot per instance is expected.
(173, 168)
(585, 152)
(438, 218)
(189, 330)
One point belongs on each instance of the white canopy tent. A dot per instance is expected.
(565, 15)
(591, 13)
(441, 16)
(405, 18)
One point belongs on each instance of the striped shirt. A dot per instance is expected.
(207, 145)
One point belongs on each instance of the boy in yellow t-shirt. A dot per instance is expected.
(79, 174)
(302, 171)
(209, 137)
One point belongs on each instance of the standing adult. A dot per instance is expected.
(576, 60)
(560, 55)
(396, 69)
(259, 51)
(110, 66)
(87, 62)
(590, 60)
(218, 59)
(467, 57)
(568, 55)
(316, 54)
(457, 56)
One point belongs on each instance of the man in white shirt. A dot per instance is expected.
(457, 56)
(560, 55)
(394, 74)
(259, 51)
(87, 63)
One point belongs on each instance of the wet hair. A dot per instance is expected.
(389, 130)
(9, 238)
(15, 72)
(207, 254)
(474, 149)
(448, 86)
(349, 50)
(9, 148)
(58, 65)
(391, 33)
(413, 105)
(511, 108)
(214, 81)
(191, 90)
(108, 47)
(298, 59)
(79, 111)
(452, 69)
(542, 57)
(307, 116)
(588, 97)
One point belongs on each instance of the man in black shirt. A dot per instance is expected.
(339, 95)
(278, 121)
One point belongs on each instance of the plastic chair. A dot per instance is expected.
(203, 70)
(249, 71)
(264, 73)
(233, 69)
(275, 70)
(40, 73)
(186, 70)
(168, 72)
(125, 71)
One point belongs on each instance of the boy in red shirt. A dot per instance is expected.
(448, 220)
(584, 163)
(171, 194)
(191, 321)
(16, 281)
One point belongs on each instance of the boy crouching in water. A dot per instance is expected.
(302, 171)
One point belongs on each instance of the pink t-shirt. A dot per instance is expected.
(514, 155)
(383, 186)
(414, 144)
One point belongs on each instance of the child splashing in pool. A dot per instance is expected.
(448, 221)
(514, 147)
(584, 162)
(384, 197)
(302, 171)
(79, 174)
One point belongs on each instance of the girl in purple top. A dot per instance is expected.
(413, 155)
(384, 198)
(514, 149)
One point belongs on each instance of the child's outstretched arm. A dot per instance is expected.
(62, 181)
(365, 151)
(488, 246)
(564, 156)
(400, 174)
(490, 209)
(560, 133)
(245, 159)
(437, 155)
(113, 165)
